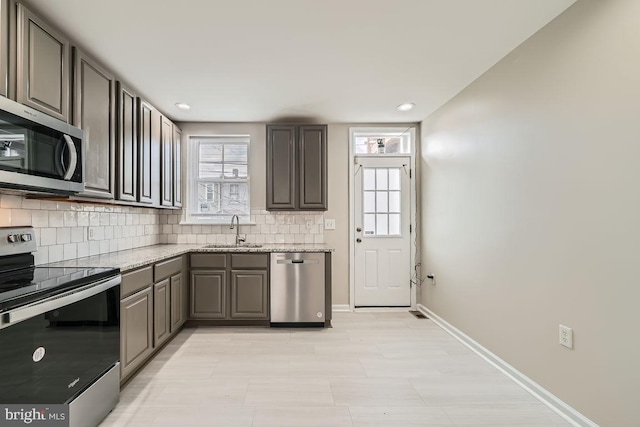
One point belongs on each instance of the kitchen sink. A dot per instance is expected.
(243, 245)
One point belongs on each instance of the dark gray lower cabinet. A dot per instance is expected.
(233, 286)
(161, 312)
(249, 294)
(208, 294)
(177, 315)
(136, 326)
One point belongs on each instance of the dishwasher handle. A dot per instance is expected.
(297, 261)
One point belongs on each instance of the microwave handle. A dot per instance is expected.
(73, 157)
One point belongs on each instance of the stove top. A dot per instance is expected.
(22, 286)
(22, 283)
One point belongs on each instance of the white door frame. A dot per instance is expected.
(411, 130)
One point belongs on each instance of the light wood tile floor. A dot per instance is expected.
(370, 369)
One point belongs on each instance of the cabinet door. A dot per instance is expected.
(42, 66)
(177, 318)
(208, 295)
(127, 145)
(94, 112)
(281, 154)
(4, 47)
(161, 312)
(166, 171)
(146, 151)
(177, 167)
(136, 330)
(312, 169)
(249, 294)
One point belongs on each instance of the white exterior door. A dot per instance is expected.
(382, 232)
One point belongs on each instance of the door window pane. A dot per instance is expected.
(394, 179)
(381, 179)
(369, 179)
(382, 202)
(394, 224)
(394, 201)
(369, 201)
(369, 224)
(382, 228)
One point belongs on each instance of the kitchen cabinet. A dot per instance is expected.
(94, 112)
(208, 294)
(166, 172)
(230, 286)
(127, 147)
(249, 294)
(42, 61)
(136, 330)
(161, 312)
(177, 167)
(4, 47)
(177, 298)
(152, 310)
(297, 167)
(148, 153)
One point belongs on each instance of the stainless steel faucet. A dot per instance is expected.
(238, 238)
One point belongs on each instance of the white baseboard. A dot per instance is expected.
(553, 402)
(337, 308)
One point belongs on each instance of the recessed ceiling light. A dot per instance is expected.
(183, 106)
(406, 107)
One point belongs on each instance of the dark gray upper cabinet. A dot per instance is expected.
(297, 167)
(4, 47)
(281, 167)
(146, 152)
(127, 145)
(312, 164)
(42, 65)
(177, 167)
(94, 112)
(166, 171)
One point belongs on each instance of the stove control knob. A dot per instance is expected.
(12, 238)
(25, 237)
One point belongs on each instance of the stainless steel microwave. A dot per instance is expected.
(39, 153)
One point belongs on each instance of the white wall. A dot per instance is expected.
(531, 208)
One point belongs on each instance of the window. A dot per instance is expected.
(382, 143)
(218, 179)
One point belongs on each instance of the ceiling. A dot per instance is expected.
(326, 60)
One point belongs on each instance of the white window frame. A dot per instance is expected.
(192, 216)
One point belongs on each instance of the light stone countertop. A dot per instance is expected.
(134, 258)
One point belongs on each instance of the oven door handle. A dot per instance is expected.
(40, 307)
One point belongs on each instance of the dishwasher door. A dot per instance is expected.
(298, 289)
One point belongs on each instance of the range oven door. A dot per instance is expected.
(38, 152)
(55, 348)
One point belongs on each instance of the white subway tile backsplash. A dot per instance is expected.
(63, 235)
(56, 219)
(62, 228)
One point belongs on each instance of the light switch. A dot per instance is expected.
(329, 224)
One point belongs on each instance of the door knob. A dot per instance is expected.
(358, 229)
(358, 240)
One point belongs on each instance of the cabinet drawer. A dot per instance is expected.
(208, 261)
(164, 269)
(136, 280)
(249, 260)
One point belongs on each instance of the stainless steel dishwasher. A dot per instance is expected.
(297, 289)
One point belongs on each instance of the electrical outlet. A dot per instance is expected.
(566, 336)
(90, 233)
(329, 224)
